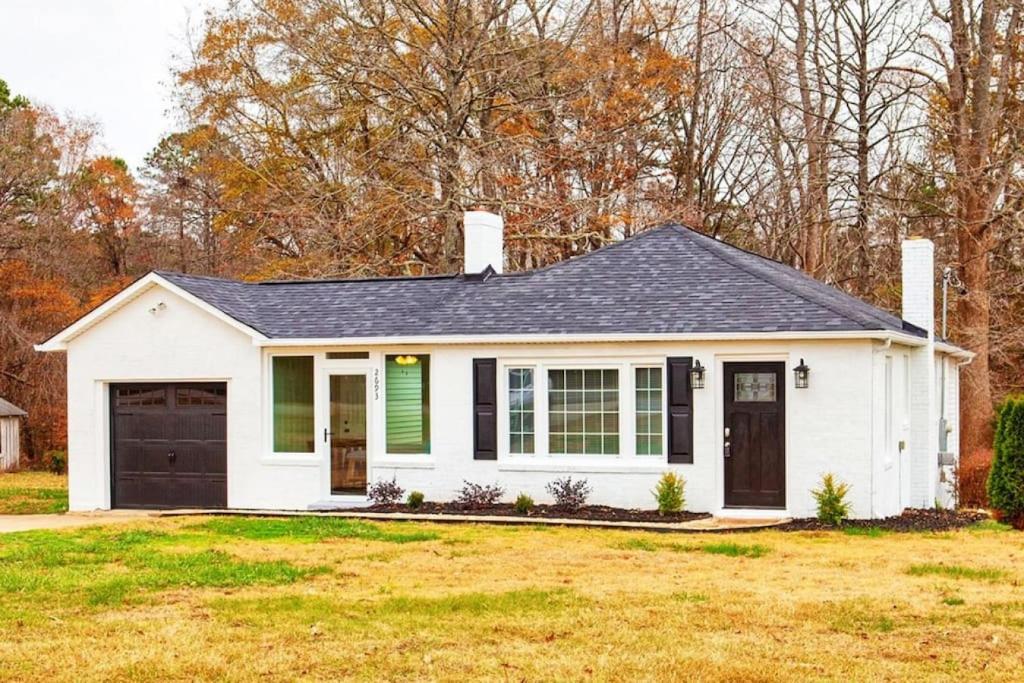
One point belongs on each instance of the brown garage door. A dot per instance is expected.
(169, 445)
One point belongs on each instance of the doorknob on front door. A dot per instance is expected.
(727, 450)
(171, 456)
(727, 432)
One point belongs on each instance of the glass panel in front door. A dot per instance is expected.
(348, 434)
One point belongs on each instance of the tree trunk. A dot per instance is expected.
(973, 316)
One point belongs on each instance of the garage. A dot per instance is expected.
(168, 445)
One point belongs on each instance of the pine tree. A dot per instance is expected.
(1006, 480)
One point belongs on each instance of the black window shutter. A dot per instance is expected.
(680, 410)
(485, 409)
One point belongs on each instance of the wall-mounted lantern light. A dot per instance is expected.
(801, 374)
(697, 376)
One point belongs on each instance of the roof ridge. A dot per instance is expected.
(605, 247)
(196, 276)
(761, 276)
(372, 278)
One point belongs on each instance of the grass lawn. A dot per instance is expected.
(324, 599)
(31, 493)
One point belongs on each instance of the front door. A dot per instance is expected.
(755, 436)
(347, 434)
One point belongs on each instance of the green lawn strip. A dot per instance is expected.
(312, 529)
(101, 567)
(955, 571)
(726, 548)
(869, 531)
(32, 501)
(990, 525)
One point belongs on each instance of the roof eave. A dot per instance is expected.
(446, 340)
(954, 350)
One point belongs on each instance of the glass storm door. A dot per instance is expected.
(347, 434)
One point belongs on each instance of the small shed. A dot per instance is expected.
(10, 434)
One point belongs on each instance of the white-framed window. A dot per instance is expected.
(407, 404)
(522, 427)
(649, 408)
(583, 411)
(293, 421)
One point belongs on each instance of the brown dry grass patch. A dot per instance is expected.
(420, 601)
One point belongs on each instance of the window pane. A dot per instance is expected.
(648, 411)
(407, 404)
(583, 411)
(292, 378)
(755, 387)
(520, 410)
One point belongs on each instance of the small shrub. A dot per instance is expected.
(833, 508)
(56, 461)
(669, 493)
(523, 504)
(569, 494)
(971, 478)
(478, 495)
(415, 500)
(1006, 478)
(385, 492)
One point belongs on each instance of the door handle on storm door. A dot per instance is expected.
(727, 450)
(327, 434)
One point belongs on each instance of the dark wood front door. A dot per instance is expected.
(755, 422)
(168, 445)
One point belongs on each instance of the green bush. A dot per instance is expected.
(56, 461)
(669, 493)
(1006, 478)
(833, 507)
(415, 500)
(523, 504)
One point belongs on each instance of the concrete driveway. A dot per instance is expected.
(71, 520)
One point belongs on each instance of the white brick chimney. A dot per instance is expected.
(919, 309)
(919, 283)
(484, 240)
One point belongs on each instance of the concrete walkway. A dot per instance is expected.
(71, 520)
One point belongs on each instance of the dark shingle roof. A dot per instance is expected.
(8, 409)
(666, 280)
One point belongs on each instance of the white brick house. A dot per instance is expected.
(670, 350)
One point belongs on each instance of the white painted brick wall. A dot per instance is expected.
(919, 309)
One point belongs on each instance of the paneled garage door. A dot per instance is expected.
(168, 445)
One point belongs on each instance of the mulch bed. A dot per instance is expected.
(910, 520)
(590, 512)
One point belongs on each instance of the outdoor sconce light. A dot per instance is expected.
(697, 376)
(407, 360)
(801, 374)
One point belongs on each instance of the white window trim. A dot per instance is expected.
(291, 457)
(405, 460)
(663, 456)
(541, 459)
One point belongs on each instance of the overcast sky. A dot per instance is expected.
(105, 60)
